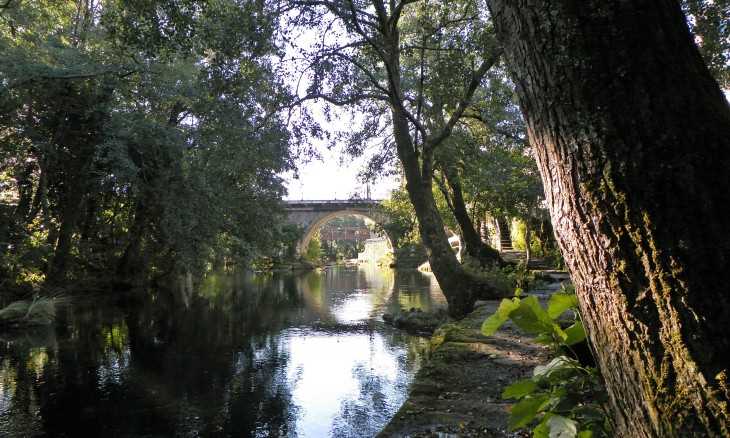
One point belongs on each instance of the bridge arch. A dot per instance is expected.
(312, 215)
(318, 223)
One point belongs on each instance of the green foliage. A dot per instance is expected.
(542, 240)
(402, 226)
(502, 279)
(497, 169)
(495, 321)
(313, 252)
(562, 398)
(138, 134)
(511, 277)
(287, 237)
(337, 251)
(708, 20)
(517, 234)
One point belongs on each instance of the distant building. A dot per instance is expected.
(348, 228)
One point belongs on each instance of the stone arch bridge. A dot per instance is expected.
(312, 215)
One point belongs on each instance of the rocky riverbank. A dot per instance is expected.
(417, 321)
(458, 391)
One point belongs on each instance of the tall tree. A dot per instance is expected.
(449, 182)
(136, 133)
(632, 135)
(487, 163)
(399, 61)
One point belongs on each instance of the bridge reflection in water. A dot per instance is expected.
(245, 355)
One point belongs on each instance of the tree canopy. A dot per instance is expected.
(139, 132)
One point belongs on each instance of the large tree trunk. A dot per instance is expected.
(455, 283)
(633, 142)
(460, 288)
(475, 247)
(69, 218)
(128, 266)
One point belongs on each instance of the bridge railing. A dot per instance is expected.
(334, 201)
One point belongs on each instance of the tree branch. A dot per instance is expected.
(444, 191)
(72, 77)
(396, 13)
(476, 79)
(351, 100)
(493, 129)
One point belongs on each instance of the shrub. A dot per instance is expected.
(39, 311)
(564, 398)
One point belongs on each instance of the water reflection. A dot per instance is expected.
(238, 355)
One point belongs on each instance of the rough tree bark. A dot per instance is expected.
(633, 142)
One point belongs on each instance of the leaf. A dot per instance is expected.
(575, 333)
(585, 434)
(561, 427)
(495, 321)
(519, 389)
(525, 410)
(542, 430)
(532, 318)
(559, 303)
(557, 364)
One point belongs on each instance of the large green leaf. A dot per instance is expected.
(560, 302)
(519, 389)
(495, 321)
(532, 318)
(575, 333)
(525, 411)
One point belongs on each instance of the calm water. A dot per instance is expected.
(248, 355)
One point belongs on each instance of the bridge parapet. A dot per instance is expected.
(312, 214)
(330, 205)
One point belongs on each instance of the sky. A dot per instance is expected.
(334, 174)
(333, 178)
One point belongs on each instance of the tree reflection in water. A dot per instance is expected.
(241, 356)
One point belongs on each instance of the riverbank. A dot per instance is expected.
(458, 390)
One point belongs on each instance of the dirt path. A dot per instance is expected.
(458, 391)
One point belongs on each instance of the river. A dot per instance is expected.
(240, 355)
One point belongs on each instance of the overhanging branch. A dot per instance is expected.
(476, 79)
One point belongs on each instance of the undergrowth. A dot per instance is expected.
(566, 397)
